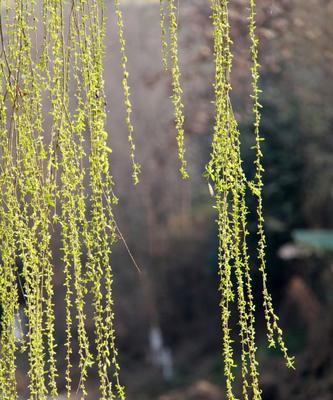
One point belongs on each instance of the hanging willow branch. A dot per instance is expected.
(169, 25)
(42, 178)
(128, 105)
(230, 186)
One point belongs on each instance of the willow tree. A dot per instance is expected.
(53, 141)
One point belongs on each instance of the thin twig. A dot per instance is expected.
(126, 246)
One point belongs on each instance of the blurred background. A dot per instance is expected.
(167, 316)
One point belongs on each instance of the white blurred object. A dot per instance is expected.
(291, 251)
(161, 356)
(211, 190)
(18, 324)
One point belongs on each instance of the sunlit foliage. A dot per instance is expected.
(169, 43)
(230, 186)
(56, 173)
(46, 162)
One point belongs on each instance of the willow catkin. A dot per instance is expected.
(73, 213)
(220, 171)
(8, 287)
(274, 332)
(28, 154)
(8, 298)
(177, 92)
(164, 35)
(101, 232)
(42, 177)
(226, 173)
(58, 86)
(136, 168)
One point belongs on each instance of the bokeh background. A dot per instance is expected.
(167, 316)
